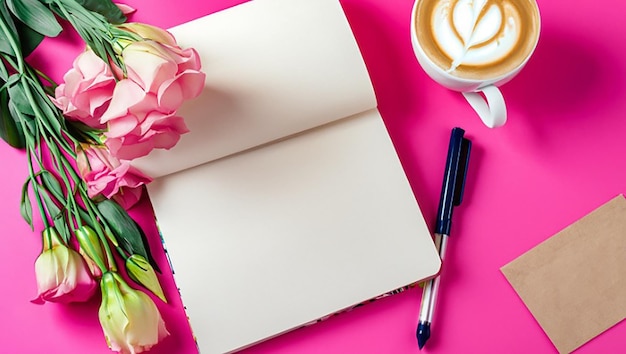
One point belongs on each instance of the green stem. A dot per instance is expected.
(16, 48)
(78, 185)
(70, 169)
(3, 70)
(37, 110)
(30, 146)
(9, 59)
(36, 191)
(101, 36)
(57, 159)
(47, 78)
(122, 253)
(21, 67)
(91, 209)
(110, 234)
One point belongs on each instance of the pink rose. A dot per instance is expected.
(137, 123)
(160, 76)
(107, 175)
(62, 275)
(138, 112)
(87, 90)
(160, 66)
(169, 72)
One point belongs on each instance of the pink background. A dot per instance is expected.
(560, 156)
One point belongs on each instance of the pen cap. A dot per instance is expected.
(453, 179)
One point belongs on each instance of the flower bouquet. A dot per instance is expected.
(117, 103)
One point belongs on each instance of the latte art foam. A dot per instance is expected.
(475, 32)
(477, 37)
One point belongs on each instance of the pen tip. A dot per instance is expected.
(423, 333)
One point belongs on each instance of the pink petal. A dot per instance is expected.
(101, 81)
(166, 140)
(134, 151)
(59, 99)
(170, 96)
(90, 65)
(145, 106)
(151, 118)
(72, 80)
(113, 144)
(120, 127)
(185, 86)
(190, 60)
(126, 10)
(192, 83)
(128, 197)
(176, 124)
(148, 65)
(134, 180)
(126, 94)
(93, 99)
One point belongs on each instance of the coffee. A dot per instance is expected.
(477, 39)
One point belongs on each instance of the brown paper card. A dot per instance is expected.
(574, 283)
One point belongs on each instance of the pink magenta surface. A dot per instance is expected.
(561, 155)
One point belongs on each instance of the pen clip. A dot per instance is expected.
(461, 174)
(453, 180)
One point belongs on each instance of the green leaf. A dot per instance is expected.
(29, 39)
(124, 228)
(29, 121)
(21, 107)
(10, 130)
(50, 182)
(57, 216)
(83, 132)
(99, 48)
(56, 213)
(105, 8)
(53, 210)
(142, 273)
(49, 111)
(26, 208)
(13, 79)
(5, 45)
(35, 15)
(87, 218)
(18, 96)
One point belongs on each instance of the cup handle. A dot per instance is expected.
(491, 108)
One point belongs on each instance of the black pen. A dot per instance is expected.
(451, 196)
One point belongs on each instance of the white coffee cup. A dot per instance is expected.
(475, 46)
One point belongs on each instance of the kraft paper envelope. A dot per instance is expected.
(574, 283)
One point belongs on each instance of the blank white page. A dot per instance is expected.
(264, 241)
(274, 68)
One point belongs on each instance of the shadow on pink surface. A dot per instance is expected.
(565, 77)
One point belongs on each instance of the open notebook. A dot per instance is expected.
(286, 202)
